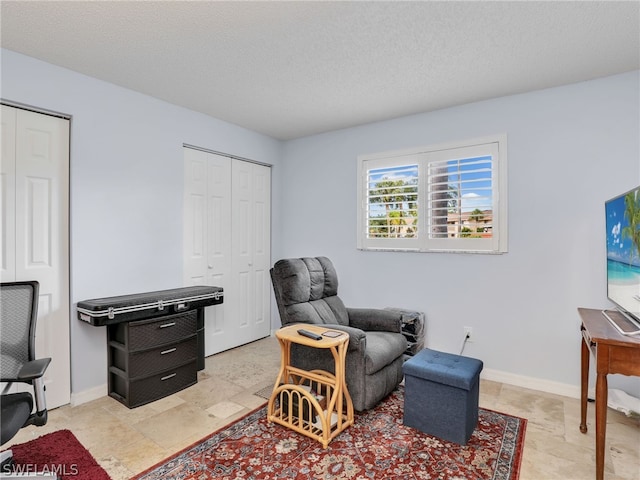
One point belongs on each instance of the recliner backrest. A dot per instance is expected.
(306, 291)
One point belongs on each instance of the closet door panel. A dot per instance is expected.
(195, 211)
(241, 229)
(207, 245)
(236, 246)
(262, 248)
(42, 232)
(219, 208)
(218, 329)
(242, 295)
(39, 218)
(7, 195)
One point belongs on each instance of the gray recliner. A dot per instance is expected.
(306, 291)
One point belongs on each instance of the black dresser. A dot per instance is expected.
(155, 340)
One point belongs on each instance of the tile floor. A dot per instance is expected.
(126, 442)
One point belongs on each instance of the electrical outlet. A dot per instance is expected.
(468, 333)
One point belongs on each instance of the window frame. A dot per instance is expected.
(495, 145)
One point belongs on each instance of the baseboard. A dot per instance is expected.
(549, 386)
(89, 395)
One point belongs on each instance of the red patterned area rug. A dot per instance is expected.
(378, 446)
(60, 453)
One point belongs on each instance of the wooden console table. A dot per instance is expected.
(614, 353)
(314, 403)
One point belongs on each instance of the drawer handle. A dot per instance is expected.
(171, 350)
(168, 325)
(168, 377)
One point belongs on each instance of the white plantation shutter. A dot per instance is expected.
(391, 203)
(463, 191)
(441, 198)
(457, 188)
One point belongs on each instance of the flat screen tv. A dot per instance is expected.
(623, 260)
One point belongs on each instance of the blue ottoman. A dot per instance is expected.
(441, 394)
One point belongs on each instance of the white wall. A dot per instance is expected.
(569, 149)
(126, 187)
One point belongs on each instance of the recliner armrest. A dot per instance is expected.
(357, 338)
(33, 369)
(373, 319)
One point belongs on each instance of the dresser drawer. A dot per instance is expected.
(147, 362)
(139, 391)
(145, 334)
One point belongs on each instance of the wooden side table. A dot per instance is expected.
(614, 353)
(314, 403)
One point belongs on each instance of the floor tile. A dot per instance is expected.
(128, 441)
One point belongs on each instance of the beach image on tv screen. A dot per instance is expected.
(623, 251)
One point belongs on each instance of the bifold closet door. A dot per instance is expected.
(227, 244)
(34, 200)
(250, 249)
(207, 238)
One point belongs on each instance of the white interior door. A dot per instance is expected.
(207, 243)
(251, 197)
(8, 195)
(262, 248)
(38, 225)
(227, 244)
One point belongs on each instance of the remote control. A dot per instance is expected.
(309, 334)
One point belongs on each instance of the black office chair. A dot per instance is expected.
(18, 314)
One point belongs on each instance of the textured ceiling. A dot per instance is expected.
(290, 69)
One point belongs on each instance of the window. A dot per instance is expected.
(447, 198)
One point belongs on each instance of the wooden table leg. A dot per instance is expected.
(601, 422)
(584, 385)
(614, 354)
(283, 374)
